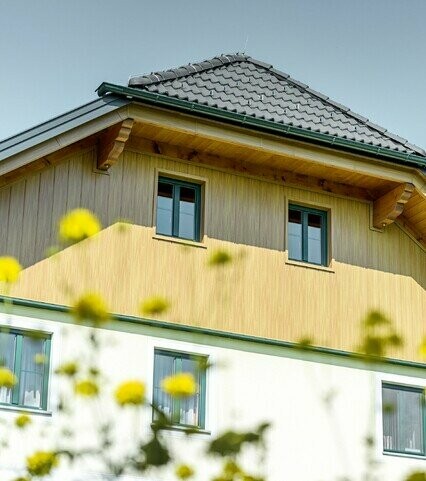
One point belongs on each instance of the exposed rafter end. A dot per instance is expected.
(391, 205)
(111, 144)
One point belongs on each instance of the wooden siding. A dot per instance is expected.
(259, 294)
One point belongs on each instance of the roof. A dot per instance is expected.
(240, 84)
(59, 125)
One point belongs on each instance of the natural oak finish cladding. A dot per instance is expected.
(259, 294)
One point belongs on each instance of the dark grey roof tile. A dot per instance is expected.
(249, 87)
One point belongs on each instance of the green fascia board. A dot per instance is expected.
(9, 302)
(411, 160)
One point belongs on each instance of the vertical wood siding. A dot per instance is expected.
(259, 295)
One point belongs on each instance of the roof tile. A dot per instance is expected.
(241, 84)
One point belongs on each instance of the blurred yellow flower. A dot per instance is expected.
(220, 257)
(22, 420)
(183, 471)
(41, 463)
(179, 385)
(10, 269)
(130, 392)
(67, 369)
(154, 306)
(422, 350)
(40, 358)
(86, 388)
(90, 307)
(7, 378)
(77, 225)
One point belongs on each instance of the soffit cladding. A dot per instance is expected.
(247, 87)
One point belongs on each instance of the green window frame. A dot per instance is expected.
(22, 341)
(303, 251)
(175, 406)
(171, 226)
(398, 419)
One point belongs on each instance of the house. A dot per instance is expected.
(323, 214)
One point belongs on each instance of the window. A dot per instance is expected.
(27, 355)
(403, 419)
(189, 412)
(178, 209)
(307, 235)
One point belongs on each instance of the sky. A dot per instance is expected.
(366, 54)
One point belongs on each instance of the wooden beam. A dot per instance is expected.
(391, 205)
(286, 177)
(111, 144)
(412, 231)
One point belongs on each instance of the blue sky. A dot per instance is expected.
(366, 54)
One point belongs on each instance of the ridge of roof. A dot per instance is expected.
(142, 81)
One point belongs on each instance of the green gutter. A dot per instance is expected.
(412, 160)
(215, 333)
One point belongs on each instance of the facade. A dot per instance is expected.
(324, 216)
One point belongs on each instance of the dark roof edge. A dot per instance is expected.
(59, 124)
(10, 301)
(197, 67)
(411, 160)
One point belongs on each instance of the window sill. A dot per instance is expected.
(177, 240)
(184, 429)
(24, 410)
(309, 266)
(405, 455)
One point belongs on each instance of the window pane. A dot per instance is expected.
(314, 238)
(403, 421)
(7, 357)
(163, 367)
(187, 213)
(31, 375)
(165, 208)
(189, 407)
(295, 235)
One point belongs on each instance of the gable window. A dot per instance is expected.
(186, 412)
(403, 419)
(307, 235)
(26, 354)
(178, 208)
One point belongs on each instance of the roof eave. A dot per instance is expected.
(410, 160)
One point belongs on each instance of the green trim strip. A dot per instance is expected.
(413, 160)
(215, 333)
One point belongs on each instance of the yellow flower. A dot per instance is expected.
(179, 385)
(130, 392)
(22, 420)
(41, 463)
(86, 388)
(40, 358)
(10, 269)
(422, 350)
(67, 369)
(154, 306)
(7, 378)
(220, 257)
(90, 307)
(77, 225)
(183, 471)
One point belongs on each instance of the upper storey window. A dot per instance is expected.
(178, 208)
(307, 235)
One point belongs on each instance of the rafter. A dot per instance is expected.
(112, 142)
(270, 173)
(391, 205)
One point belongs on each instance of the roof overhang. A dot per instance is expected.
(159, 125)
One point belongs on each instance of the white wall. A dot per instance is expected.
(321, 412)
